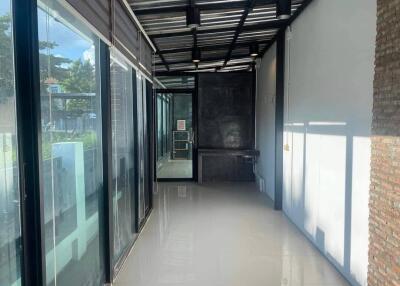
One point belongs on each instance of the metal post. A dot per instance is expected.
(279, 118)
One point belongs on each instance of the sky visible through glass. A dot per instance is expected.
(69, 44)
(4, 7)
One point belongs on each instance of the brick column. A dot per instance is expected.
(384, 221)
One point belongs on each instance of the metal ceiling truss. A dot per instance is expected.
(265, 26)
(158, 52)
(204, 6)
(239, 29)
(210, 48)
(228, 29)
(204, 60)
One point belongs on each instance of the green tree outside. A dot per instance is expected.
(81, 78)
(6, 59)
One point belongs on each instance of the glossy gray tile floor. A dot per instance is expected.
(176, 169)
(222, 235)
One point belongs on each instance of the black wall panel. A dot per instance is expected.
(227, 169)
(225, 111)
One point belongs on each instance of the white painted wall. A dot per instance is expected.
(329, 86)
(265, 121)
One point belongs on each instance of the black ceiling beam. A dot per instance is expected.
(195, 38)
(248, 63)
(229, 65)
(197, 52)
(213, 48)
(203, 7)
(160, 55)
(290, 21)
(211, 59)
(192, 68)
(162, 10)
(263, 26)
(239, 29)
(172, 73)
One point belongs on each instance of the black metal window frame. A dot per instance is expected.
(26, 55)
(114, 268)
(108, 227)
(28, 111)
(150, 106)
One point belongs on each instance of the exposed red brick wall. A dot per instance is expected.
(384, 222)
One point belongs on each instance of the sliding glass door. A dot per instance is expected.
(140, 148)
(10, 235)
(64, 223)
(164, 129)
(159, 130)
(144, 141)
(71, 147)
(176, 129)
(124, 166)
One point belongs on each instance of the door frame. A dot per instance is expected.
(193, 92)
(28, 125)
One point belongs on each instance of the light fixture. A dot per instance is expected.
(193, 17)
(283, 9)
(196, 55)
(254, 51)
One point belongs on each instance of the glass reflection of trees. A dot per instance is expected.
(10, 235)
(71, 147)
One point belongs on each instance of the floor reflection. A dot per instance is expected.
(176, 169)
(222, 235)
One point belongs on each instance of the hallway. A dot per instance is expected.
(222, 235)
(199, 143)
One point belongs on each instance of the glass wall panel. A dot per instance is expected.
(165, 124)
(150, 141)
(123, 146)
(147, 105)
(140, 147)
(144, 106)
(159, 128)
(164, 129)
(71, 147)
(10, 235)
(177, 136)
(169, 127)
